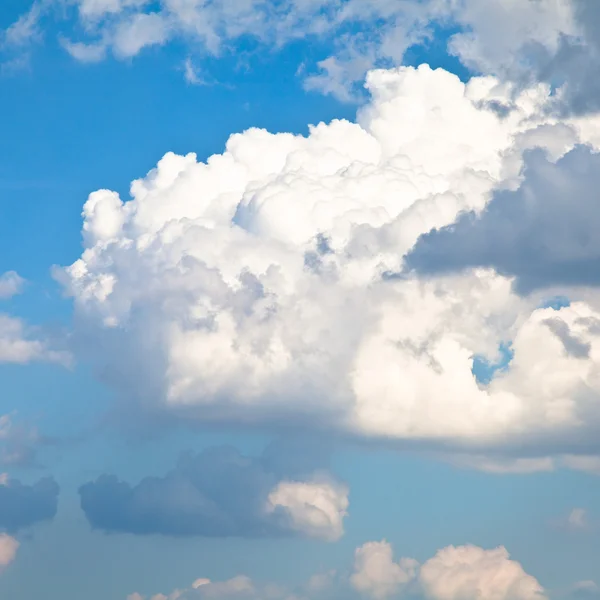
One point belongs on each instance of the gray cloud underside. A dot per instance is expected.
(217, 493)
(544, 234)
(24, 505)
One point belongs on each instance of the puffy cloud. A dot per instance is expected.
(126, 27)
(377, 575)
(18, 341)
(18, 442)
(8, 550)
(219, 493)
(461, 573)
(521, 33)
(11, 283)
(547, 40)
(578, 519)
(19, 345)
(316, 509)
(236, 588)
(552, 40)
(26, 28)
(23, 505)
(543, 234)
(261, 286)
(585, 589)
(472, 573)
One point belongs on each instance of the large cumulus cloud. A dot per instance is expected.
(220, 493)
(261, 286)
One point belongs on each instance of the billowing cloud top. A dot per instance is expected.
(268, 284)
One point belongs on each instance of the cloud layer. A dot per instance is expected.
(454, 573)
(555, 41)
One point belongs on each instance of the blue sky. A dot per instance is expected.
(365, 314)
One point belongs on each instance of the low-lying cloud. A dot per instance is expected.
(220, 493)
(453, 573)
(22, 505)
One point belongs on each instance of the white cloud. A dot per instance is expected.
(18, 443)
(585, 589)
(87, 53)
(11, 284)
(497, 33)
(472, 573)
(17, 344)
(588, 464)
(502, 465)
(191, 73)
(514, 39)
(316, 509)
(26, 28)
(577, 519)
(8, 550)
(376, 575)
(256, 287)
(137, 32)
(95, 9)
(505, 464)
(461, 573)
(510, 38)
(20, 343)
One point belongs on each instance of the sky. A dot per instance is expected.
(299, 299)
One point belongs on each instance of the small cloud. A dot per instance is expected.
(585, 589)
(577, 519)
(586, 463)
(377, 575)
(85, 53)
(8, 550)
(20, 443)
(316, 509)
(502, 465)
(19, 345)
(11, 284)
(192, 74)
(26, 29)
